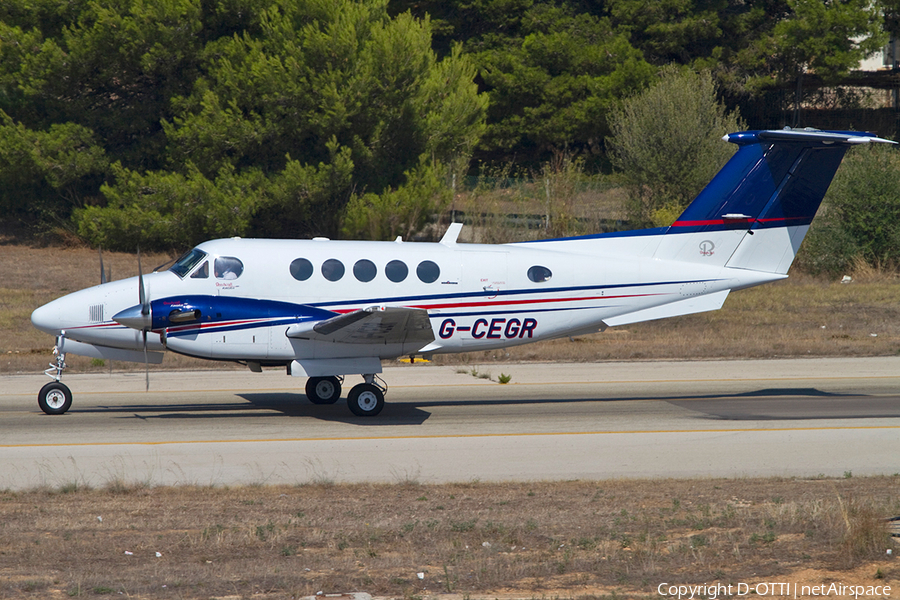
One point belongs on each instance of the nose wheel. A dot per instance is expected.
(55, 398)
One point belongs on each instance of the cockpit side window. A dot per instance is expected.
(228, 267)
(188, 261)
(202, 272)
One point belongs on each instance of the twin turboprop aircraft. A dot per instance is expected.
(326, 309)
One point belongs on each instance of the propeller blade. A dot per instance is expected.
(142, 293)
(102, 272)
(145, 312)
(146, 364)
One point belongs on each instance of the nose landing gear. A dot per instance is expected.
(55, 398)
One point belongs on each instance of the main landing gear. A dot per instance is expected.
(55, 398)
(323, 390)
(364, 400)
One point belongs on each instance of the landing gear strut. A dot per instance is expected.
(367, 399)
(55, 398)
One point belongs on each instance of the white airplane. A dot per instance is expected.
(325, 309)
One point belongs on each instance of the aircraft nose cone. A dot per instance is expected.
(48, 318)
(132, 317)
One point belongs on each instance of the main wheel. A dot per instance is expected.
(55, 398)
(323, 390)
(365, 400)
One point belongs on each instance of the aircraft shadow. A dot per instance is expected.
(758, 405)
(764, 404)
(266, 405)
(793, 404)
(296, 405)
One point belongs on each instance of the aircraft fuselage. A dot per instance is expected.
(477, 297)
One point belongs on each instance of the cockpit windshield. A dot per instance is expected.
(187, 262)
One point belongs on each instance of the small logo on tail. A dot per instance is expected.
(707, 248)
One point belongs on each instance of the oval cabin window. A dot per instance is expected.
(396, 271)
(301, 269)
(539, 274)
(332, 269)
(428, 272)
(364, 270)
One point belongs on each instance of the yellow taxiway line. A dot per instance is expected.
(455, 436)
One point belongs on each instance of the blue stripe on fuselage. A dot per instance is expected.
(219, 314)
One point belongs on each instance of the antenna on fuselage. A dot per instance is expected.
(104, 276)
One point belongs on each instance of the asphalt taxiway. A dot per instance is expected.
(801, 417)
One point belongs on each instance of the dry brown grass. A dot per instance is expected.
(802, 316)
(528, 539)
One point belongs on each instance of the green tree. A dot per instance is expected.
(679, 31)
(555, 85)
(751, 45)
(667, 143)
(552, 70)
(111, 67)
(87, 83)
(399, 212)
(300, 105)
(52, 170)
(826, 38)
(326, 101)
(165, 209)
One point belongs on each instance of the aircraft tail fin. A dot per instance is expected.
(757, 209)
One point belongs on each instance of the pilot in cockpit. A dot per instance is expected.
(228, 268)
(202, 272)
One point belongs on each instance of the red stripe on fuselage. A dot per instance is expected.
(748, 220)
(510, 302)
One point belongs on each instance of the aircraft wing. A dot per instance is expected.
(373, 325)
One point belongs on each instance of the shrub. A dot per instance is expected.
(666, 142)
(859, 214)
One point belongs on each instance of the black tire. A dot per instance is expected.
(55, 398)
(365, 400)
(323, 390)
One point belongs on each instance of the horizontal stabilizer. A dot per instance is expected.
(373, 325)
(850, 138)
(688, 306)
